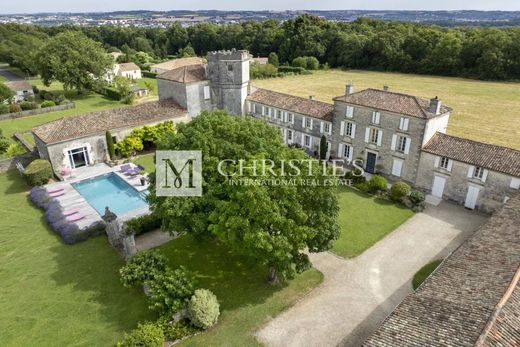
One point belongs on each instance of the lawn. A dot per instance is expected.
(246, 299)
(424, 272)
(146, 161)
(62, 295)
(54, 294)
(364, 220)
(483, 111)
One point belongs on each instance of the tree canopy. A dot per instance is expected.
(72, 59)
(274, 224)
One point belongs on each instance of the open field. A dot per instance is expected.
(483, 111)
(364, 220)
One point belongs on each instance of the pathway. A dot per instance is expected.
(152, 239)
(9, 75)
(357, 294)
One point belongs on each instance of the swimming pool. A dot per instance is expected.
(112, 191)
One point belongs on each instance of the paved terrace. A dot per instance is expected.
(73, 200)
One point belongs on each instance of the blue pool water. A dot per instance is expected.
(112, 191)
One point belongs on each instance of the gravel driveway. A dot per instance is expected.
(357, 294)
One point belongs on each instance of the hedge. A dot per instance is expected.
(111, 93)
(149, 74)
(293, 69)
(38, 172)
(143, 224)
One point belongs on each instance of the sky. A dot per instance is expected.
(32, 6)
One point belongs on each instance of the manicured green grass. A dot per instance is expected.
(146, 161)
(153, 81)
(246, 299)
(424, 272)
(52, 294)
(483, 111)
(364, 220)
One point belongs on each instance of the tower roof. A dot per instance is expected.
(185, 74)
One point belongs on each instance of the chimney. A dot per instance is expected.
(349, 89)
(311, 97)
(385, 88)
(435, 105)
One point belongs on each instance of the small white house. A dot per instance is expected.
(22, 90)
(129, 70)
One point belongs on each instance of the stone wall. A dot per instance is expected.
(36, 111)
(24, 159)
(492, 193)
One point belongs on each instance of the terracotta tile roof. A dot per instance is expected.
(492, 157)
(128, 67)
(455, 304)
(176, 63)
(393, 102)
(185, 74)
(95, 122)
(313, 108)
(19, 85)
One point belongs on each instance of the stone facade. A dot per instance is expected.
(190, 96)
(454, 180)
(296, 128)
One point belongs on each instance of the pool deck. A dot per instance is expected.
(74, 200)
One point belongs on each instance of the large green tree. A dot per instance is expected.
(72, 59)
(5, 93)
(273, 223)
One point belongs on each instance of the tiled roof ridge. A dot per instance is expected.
(493, 319)
(437, 133)
(295, 96)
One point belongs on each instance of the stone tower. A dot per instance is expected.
(228, 72)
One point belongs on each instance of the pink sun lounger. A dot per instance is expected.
(54, 190)
(56, 194)
(70, 212)
(75, 217)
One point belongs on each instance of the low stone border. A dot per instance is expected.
(24, 142)
(37, 111)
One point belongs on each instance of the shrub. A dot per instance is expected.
(416, 197)
(299, 62)
(46, 95)
(26, 105)
(95, 229)
(71, 234)
(149, 74)
(38, 172)
(4, 108)
(13, 150)
(293, 69)
(377, 183)
(4, 142)
(39, 197)
(143, 224)
(142, 267)
(171, 291)
(203, 309)
(35, 90)
(355, 176)
(312, 63)
(399, 190)
(48, 103)
(146, 334)
(110, 145)
(179, 329)
(112, 93)
(263, 70)
(13, 108)
(273, 59)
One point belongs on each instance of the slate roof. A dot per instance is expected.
(393, 102)
(128, 67)
(68, 128)
(313, 108)
(457, 304)
(176, 63)
(185, 74)
(492, 157)
(19, 85)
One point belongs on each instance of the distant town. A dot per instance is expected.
(163, 19)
